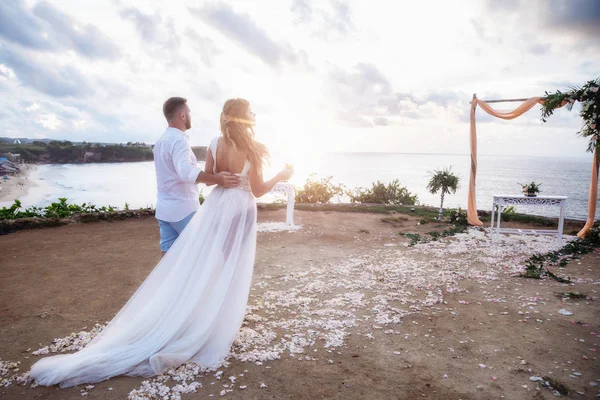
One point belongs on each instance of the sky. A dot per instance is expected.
(322, 76)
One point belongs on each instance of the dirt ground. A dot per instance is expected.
(359, 314)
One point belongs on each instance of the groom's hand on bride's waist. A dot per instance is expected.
(227, 179)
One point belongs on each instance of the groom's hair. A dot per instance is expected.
(172, 106)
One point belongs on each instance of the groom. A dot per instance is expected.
(177, 174)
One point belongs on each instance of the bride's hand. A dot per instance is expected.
(286, 173)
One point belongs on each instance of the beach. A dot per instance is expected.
(18, 185)
(341, 307)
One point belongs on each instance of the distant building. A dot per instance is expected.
(14, 157)
(17, 141)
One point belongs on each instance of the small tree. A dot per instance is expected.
(445, 181)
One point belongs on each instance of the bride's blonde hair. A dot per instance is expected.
(238, 132)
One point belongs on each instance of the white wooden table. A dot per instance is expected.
(512, 200)
(287, 188)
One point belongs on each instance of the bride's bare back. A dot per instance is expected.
(229, 159)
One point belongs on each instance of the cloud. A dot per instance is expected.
(302, 10)
(365, 80)
(241, 29)
(54, 80)
(45, 28)
(327, 20)
(49, 118)
(483, 34)
(579, 19)
(147, 25)
(539, 48)
(87, 40)
(358, 92)
(367, 92)
(353, 120)
(49, 121)
(205, 46)
(19, 26)
(365, 97)
(580, 16)
(342, 16)
(162, 41)
(381, 121)
(506, 5)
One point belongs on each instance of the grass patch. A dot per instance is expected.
(536, 267)
(572, 295)
(435, 235)
(523, 218)
(357, 208)
(447, 232)
(557, 385)
(394, 221)
(427, 214)
(414, 238)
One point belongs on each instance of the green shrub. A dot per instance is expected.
(380, 193)
(318, 191)
(506, 210)
(414, 238)
(536, 266)
(60, 209)
(458, 217)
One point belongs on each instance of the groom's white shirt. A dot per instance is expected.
(176, 173)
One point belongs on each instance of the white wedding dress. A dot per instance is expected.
(190, 307)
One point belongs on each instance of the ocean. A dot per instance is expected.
(134, 183)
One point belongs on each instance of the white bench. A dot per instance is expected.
(512, 200)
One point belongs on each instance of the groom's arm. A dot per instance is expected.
(229, 180)
(225, 179)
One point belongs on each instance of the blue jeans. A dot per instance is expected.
(170, 231)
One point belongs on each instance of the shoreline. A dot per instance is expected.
(17, 186)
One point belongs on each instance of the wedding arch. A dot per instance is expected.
(588, 95)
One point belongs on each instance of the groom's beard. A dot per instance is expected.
(188, 123)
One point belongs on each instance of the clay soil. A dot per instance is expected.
(60, 280)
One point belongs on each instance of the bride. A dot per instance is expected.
(192, 304)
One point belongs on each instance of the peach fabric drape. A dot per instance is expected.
(527, 105)
(472, 217)
(592, 199)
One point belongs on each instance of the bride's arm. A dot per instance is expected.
(260, 187)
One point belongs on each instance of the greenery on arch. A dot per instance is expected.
(589, 96)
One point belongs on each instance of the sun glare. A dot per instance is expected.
(299, 128)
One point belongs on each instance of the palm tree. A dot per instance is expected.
(443, 180)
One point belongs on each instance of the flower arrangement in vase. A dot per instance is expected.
(531, 189)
